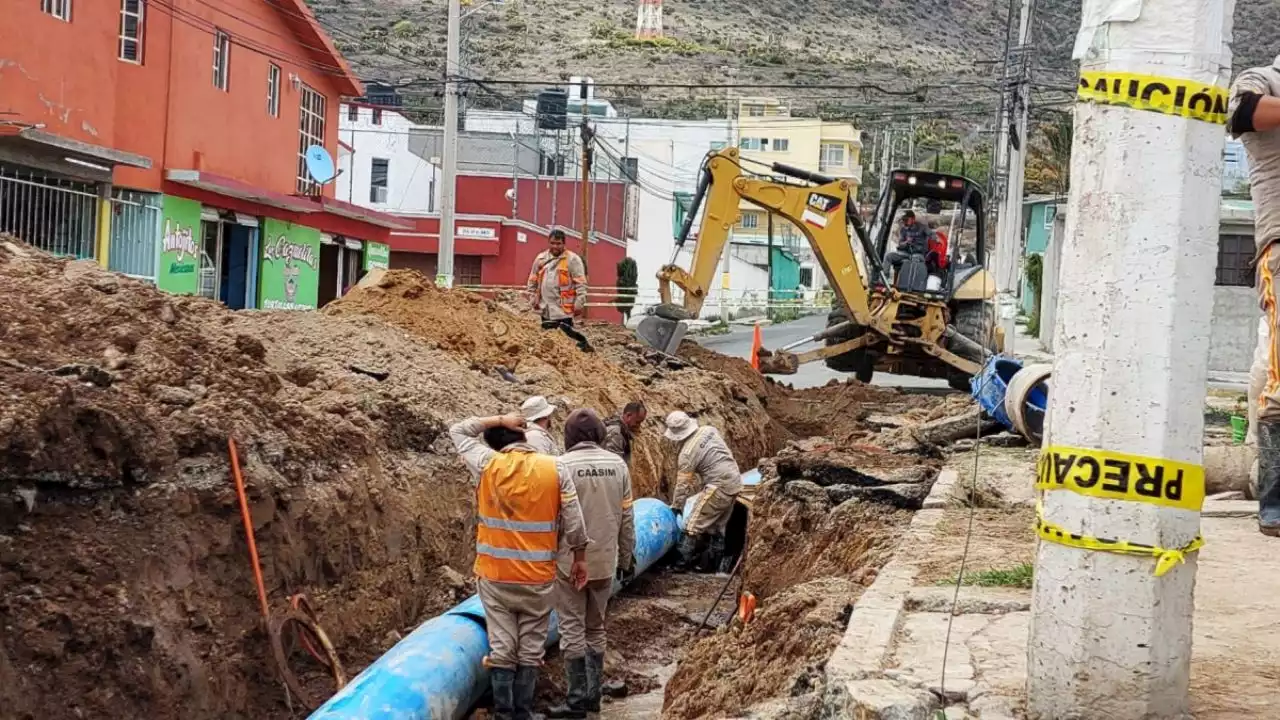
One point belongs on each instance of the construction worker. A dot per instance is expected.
(558, 286)
(537, 413)
(621, 429)
(913, 240)
(527, 513)
(1253, 116)
(604, 493)
(705, 465)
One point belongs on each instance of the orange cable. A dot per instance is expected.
(248, 527)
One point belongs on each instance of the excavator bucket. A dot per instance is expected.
(662, 333)
(777, 362)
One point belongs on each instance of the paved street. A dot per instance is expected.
(738, 343)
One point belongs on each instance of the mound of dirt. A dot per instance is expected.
(781, 652)
(489, 337)
(128, 589)
(822, 512)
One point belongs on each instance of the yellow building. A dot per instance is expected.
(767, 133)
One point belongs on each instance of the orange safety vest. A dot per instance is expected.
(568, 292)
(518, 504)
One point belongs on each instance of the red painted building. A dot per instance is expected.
(190, 120)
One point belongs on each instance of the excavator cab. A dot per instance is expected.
(958, 279)
(940, 324)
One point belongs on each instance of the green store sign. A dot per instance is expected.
(179, 271)
(289, 278)
(376, 255)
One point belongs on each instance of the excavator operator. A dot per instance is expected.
(914, 240)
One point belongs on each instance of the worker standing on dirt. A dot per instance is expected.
(604, 492)
(527, 514)
(537, 414)
(621, 429)
(705, 464)
(1253, 116)
(558, 286)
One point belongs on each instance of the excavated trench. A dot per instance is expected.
(128, 590)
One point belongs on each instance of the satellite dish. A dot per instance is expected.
(319, 164)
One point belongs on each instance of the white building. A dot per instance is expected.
(377, 169)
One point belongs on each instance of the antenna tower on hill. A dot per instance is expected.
(649, 19)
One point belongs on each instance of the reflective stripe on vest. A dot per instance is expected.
(568, 293)
(518, 503)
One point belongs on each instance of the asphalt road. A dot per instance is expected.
(815, 374)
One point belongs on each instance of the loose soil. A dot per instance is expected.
(128, 588)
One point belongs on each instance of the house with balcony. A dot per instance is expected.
(768, 133)
(170, 143)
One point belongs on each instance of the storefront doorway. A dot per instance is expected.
(228, 258)
(341, 266)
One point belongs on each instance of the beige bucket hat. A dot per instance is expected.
(680, 426)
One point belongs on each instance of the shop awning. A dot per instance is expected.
(345, 209)
(241, 190)
(86, 151)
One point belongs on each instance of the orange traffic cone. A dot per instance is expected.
(757, 342)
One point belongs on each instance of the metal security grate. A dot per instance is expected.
(58, 216)
(135, 234)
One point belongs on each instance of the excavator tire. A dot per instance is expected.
(858, 362)
(975, 319)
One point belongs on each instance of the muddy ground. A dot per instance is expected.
(128, 591)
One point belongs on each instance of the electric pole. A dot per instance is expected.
(1111, 632)
(587, 157)
(449, 186)
(1009, 222)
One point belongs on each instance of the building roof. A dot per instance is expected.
(300, 18)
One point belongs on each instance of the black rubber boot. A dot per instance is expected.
(577, 673)
(525, 687)
(690, 549)
(1269, 477)
(595, 679)
(503, 682)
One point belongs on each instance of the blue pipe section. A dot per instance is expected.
(436, 673)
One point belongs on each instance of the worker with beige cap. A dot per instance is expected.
(707, 465)
(537, 414)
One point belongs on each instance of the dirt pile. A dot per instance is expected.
(491, 338)
(781, 652)
(128, 590)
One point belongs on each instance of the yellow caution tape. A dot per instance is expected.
(1119, 476)
(1166, 559)
(1169, 96)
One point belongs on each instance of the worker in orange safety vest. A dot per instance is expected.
(558, 288)
(526, 512)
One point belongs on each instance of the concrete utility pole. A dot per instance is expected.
(1109, 638)
(1009, 221)
(448, 191)
(587, 157)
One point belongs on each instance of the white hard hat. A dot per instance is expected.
(680, 426)
(536, 408)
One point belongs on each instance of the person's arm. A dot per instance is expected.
(578, 275)
(466, 440)
(1252, 107)
(613, 440)
(573, 528)
(686, 477)
(531, 286)
(627, 528)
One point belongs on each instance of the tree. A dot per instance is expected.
(628, 275)
(1049, 160)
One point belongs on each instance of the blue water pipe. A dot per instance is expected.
(436, 673)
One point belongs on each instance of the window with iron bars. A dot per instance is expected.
(310, 132)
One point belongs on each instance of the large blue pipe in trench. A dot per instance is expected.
(436, 673)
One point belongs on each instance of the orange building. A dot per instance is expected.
(167, 138)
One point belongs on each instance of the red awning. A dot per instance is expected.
(244, 191)
(345, 209)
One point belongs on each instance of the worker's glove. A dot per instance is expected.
(677, 509)
(625, 575)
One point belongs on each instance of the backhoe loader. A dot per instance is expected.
(936, 323)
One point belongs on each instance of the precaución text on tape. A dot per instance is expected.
(1170, 96)
(1118, 476)
(1166, 558)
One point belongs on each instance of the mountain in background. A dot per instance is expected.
(945, 48)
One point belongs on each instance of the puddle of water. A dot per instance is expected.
(635, 707)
